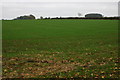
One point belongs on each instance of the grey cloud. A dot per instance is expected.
(14, 9)
(60, 0)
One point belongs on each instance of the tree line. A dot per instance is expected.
(87, 16)
(25, 17)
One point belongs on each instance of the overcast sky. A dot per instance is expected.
(14, 8)
(59, 0)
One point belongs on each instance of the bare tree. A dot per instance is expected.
(79, 14)
(41, 17)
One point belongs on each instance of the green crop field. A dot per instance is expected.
(60, 48)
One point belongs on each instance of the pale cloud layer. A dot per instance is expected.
(59, 0)
(16, 8)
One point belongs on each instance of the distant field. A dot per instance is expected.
(60, 48)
